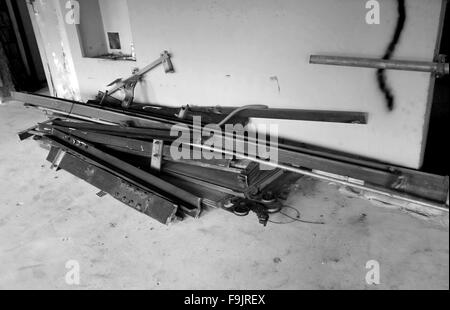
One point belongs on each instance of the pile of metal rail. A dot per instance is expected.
(126, 153)
(124, 149)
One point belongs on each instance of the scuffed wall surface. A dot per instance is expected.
(91, 30)
(111, 23)
(238, 52)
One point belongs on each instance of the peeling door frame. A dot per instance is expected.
(40, 44)
(58, 79)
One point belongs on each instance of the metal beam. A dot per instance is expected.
(107, 115)
(438, 68)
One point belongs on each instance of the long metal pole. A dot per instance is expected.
(420, 66)
(371, 188)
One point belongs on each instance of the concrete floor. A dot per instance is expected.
(48, 218)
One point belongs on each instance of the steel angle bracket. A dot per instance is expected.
(55, 156)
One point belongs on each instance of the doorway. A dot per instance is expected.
(20, 60)
(436, 152)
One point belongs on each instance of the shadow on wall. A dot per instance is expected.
(20, 65)
(436, 153)
(6, 83)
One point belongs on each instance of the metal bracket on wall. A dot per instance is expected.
(129, 84)
(444, 67)
(438, 68)
(56, 158)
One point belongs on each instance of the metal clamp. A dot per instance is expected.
(442, 67)
(242, 207)
(157, 151)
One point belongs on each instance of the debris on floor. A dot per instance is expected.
(170, 163)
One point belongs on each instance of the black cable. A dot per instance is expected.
(302, 221)
(70, 112)
(293, 219)
(281, 223)
(381, 77)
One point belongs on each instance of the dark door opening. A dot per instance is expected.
(436, 152)
(21, 66)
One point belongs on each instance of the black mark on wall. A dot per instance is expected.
(381, 77)
(275, 78)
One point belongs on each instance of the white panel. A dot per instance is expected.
(228, 52)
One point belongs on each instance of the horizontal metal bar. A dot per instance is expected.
(108, 115)
(221, 178)
(96, 114)
(420, 66)
(126, 132)
(212, 198)
(135, 146)
(218, 114)
(348, 117)
(206, 184)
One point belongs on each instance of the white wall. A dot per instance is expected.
(111, 10)
(91, 32)
(226, 52)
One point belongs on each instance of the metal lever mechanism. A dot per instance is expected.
(128, 85)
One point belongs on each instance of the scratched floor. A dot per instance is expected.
(48, 218)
